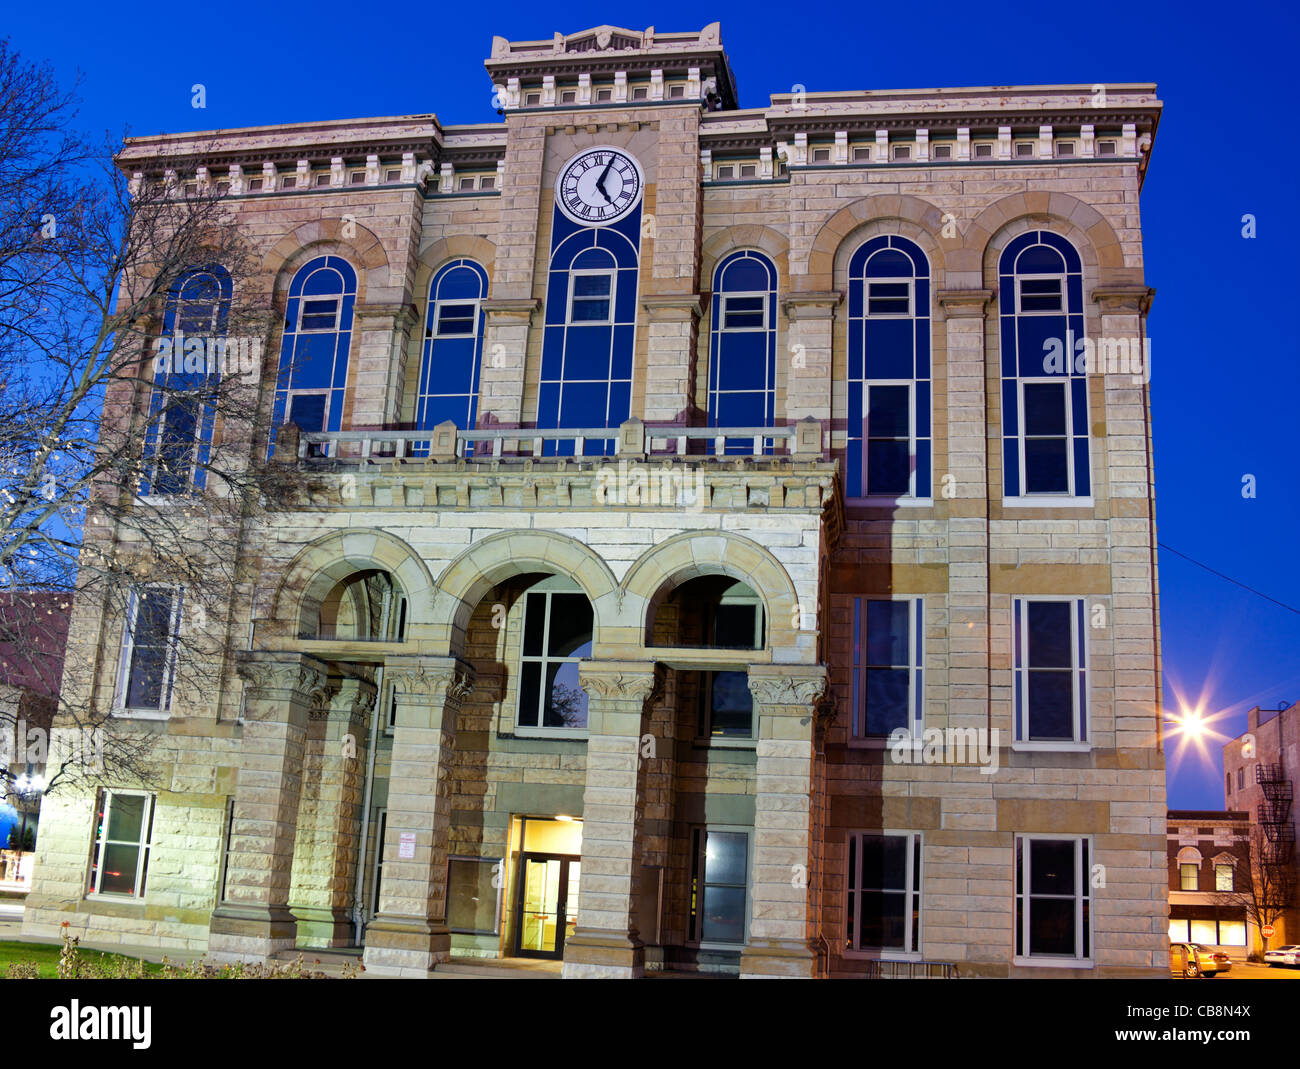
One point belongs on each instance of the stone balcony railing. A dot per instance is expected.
(447, 442)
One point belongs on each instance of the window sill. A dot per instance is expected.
(123, 713)
(1065, 501)
(578, 734)
(708, 742)
(116, 900)
(1053, 963)
(889, 502)
(876, 954)
(1052, 747)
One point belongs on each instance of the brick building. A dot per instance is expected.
(1209, 867)
(664, 464)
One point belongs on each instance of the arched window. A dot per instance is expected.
(453, 347)
(588, 345)
(1044, 375)
(187, 371)
(314, 355)
(742, 345)
(889, 435)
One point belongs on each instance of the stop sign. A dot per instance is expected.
(1266, 931)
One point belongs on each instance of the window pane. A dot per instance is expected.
(889, 468)
(534, 624)
(887, 412)
(1044, 408)
(734, 627)
(571, 624)
(1049, 634)
(1051, 867)
(1232, 933)
(319, 314)
(456, 319)
(566, 701)
(1223, 877)
(120, 861)
(307, 410)
(1051, 926)
(883, 919)
(1205, 932)
(1187, 875)
(732, 711)
(886, 700)
(530, 687)
(1047, 469)
(590, 311)
(592, 285)
(724, 857)
(743, 312)
(151, 641)
(126, 816)
(884, 862)
(724, 915)
(887, 633)
(1051, 705)
(471, 898)
(1040, 294)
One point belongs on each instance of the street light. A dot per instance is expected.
(27, 786)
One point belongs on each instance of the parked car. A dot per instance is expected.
(1286, 955)
(1193, 959)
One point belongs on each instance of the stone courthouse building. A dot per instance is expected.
(665, 467)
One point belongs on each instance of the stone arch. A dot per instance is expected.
(321, 565)
(743, 236)
(691, 554)
(363, 250)
(454, 247)
(1015, 213)
(491, 560)
(925, 228)
(1189, 855)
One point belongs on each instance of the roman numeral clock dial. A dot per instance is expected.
(599, 186)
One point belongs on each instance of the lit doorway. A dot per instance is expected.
(547, 877)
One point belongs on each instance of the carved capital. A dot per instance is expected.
(964, 304)
(444, 681)
(270, 680)
(634, 682)
(801, 686)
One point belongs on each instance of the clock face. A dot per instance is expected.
(599, 186)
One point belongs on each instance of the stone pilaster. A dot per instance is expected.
(253, 921)
(375, 390)
(786, 703)
(325, 854)
(807, 360)
(962, 484)
(606, 942)
(505, 349)
(672, 329)
(408, 936)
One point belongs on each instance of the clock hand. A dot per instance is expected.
(600, 182)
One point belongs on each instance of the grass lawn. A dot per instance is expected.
(46, 957)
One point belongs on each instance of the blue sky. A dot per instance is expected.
(1224, 384)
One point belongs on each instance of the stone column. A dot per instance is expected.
(382, 333)
(963, 486)
(505, 354)
(672, 331)
(606, 942)
(325, 853)
(253, 922)
(408, 936)
(786, 702)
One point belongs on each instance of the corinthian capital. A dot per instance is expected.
(793, 685)
(443, 680)
(276, 677)
(639, 682)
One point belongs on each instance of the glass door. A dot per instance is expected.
(547, 909)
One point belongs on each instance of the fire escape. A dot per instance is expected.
(1275, 814)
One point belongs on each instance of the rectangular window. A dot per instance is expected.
(532, 100)
(455, 319)
(884, 892)
(640, 92)
(358, 178)
(888, 440)
(726, 171)
(466, 183)
(557, 635)
(488, 181)
(591, 297)
(1223, 878)
(1050, 647)
(289, 182)
(1053, 898)
(119, 860)
(603, 96)
(888, 654)
(1232, 933)
(474, 895)
(149, 656)
(941, 152)
(318, 313)
(726, 706)
(569, 96)
(1188, 877)
(821, 155)
(901, 152)
(982, 150)
(323, 179)
(744, 311)
(1040, 295)
(380, 826)
(885, 299)
(1046, 421)
(749, 170)
(1065, 148)
(1023, 150)
(719, 886)
(254, 185)
(1241, 779)
(1106, 148)
(861, 153)
(676, 92)
(393, 174)
(1227, 782)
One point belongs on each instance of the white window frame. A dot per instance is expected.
(863, 154)
(337, 298)
(144, 844)
(1195, 876)
(499, 887)
(540, 730)
(977, 150)
(327, 393)
(869, 281)
(867, 437)
(574, 274)
(1070, 145)
(1112, 142)
(698, 859)
(1082, 893)
(915, 843)
(437, 318)
(163, 710)
(901, 152)
(1062, 310)
(1082, 712)
(730, 295)
(1018, 146)
(916, 654)
(820, 154)
(946, 147)
(729, 168)
(1232, 876)
(1066, 383)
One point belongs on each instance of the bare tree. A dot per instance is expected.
(131, 342)
(1267, 886)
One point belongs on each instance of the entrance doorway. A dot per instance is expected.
(547, 910)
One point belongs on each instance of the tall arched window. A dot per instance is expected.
(742, 345)
(317, 337)
(588, 345)
(453, 347)
(187, 371)
(1044, 378)
(889, 435)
